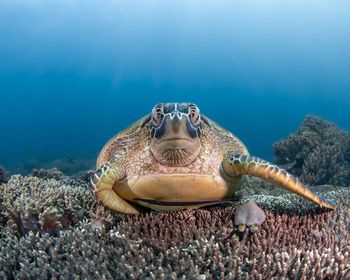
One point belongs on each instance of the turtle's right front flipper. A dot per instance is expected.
(102, 182)
(238, 164)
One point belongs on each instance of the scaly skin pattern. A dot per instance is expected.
(128, 172)
(101, 184)
(235, 164)
(134, 148)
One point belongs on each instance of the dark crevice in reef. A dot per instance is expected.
(3, 175)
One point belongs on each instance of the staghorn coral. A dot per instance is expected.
(190, 244)
(53, 173)
(43, 205)
(319, 153)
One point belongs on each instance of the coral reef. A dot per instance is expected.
(319, 153)
(3, 174)
(74, 167)
(31, 204)
(53, 173)
(79, 239)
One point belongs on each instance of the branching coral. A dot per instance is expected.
(319, 153)
(38, 205)
(191, 244)
(53, 173)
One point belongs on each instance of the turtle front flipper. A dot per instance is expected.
(102, 182)
(235, 164)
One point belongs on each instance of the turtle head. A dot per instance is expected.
(175, 130)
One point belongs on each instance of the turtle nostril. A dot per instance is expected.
(176, 118)
(176, 121)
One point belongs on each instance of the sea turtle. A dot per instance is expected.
(175, 158)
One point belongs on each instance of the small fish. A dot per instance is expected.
(328, 199)
(288, 166)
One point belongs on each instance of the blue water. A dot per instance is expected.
(73, 73)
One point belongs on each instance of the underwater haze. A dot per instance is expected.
(74, 73)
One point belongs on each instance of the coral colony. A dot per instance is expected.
(51, 227)
(318, 153)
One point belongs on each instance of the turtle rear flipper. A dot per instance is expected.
(238, 164)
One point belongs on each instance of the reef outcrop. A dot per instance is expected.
(318, 153)
(53, 229)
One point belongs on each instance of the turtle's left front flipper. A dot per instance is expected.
(238, 164)
(101, 184)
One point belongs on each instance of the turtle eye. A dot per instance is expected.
(194, 115)
(157, 115)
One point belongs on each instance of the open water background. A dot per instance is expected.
(73, 73)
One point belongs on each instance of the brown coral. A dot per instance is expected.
(196, 244)
(319, 153)
(39, 205)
